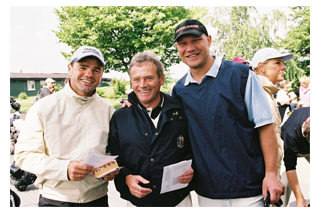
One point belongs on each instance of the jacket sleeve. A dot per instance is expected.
(290, 148)
(115, 149)
(30, 150)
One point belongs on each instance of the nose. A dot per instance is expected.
(89, 72)
(283, 66)
(190, 47)
(142, 83)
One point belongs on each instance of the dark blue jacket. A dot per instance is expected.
(228, 158)
(294, 142)
(144, 150)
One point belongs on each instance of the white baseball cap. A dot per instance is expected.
(49, 80)
(85, 51)
(269, 53)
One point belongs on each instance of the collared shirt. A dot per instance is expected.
(154, 113)
(256, 103)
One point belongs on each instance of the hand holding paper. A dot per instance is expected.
(77, 171)
(174, 173)
(104, 166)
(186, 177)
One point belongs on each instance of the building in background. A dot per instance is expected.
(31, 83)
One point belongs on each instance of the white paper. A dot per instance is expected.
(95, 160)
(171, 174)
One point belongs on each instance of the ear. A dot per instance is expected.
(69, 67)
(261, 67)
(162, 79)
(209, 39)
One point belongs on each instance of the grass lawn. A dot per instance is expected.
(26, 103)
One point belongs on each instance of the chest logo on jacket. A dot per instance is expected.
(180, 141)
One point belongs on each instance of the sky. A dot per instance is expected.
(34, 48)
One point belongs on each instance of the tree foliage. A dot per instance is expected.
(297, 42)
(121, 32)
(241, 31)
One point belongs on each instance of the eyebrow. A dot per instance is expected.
(84, 65)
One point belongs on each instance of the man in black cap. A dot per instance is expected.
(232, 134)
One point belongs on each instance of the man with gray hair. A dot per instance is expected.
(148, 136)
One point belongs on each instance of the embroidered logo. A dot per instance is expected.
(186, 27)
(180, 141)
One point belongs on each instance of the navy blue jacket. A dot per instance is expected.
(228, 157)
(294, 142)
(144, 150)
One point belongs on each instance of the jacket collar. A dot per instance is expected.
(168, 102)
(79, 99)
(267, 85)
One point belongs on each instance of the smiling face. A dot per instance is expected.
(146, 83)
(85, 75)
(273, 70)
(194, 51)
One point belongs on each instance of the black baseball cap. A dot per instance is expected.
(190, 26)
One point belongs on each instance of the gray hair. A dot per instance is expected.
(147, 56)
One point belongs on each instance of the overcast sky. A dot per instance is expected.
(34, 48)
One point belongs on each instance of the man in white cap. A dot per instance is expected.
(48, 88)
(62, 130)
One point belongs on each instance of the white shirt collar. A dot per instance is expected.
(212, 72)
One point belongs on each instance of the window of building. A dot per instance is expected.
(42, 83)
(31, 85)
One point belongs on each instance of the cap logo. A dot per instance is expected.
(90, 50)
(186, 27)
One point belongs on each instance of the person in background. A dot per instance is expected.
(240, 59)
(48, 88)
(148, 136)
(268, 64)
(283, 100)
(230, 125)
(303, 92)
(296, 136)
(61, 131)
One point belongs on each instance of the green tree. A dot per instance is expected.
(119, 87)
(241, 31)
(297, 42)
(121, 32)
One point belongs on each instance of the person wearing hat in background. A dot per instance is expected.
(268, 64)
(62, 130)
(240, 59)
(48, 88)
(284, 100)
(232, 134)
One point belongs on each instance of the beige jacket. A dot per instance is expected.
(270, 89)
(58, 129)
